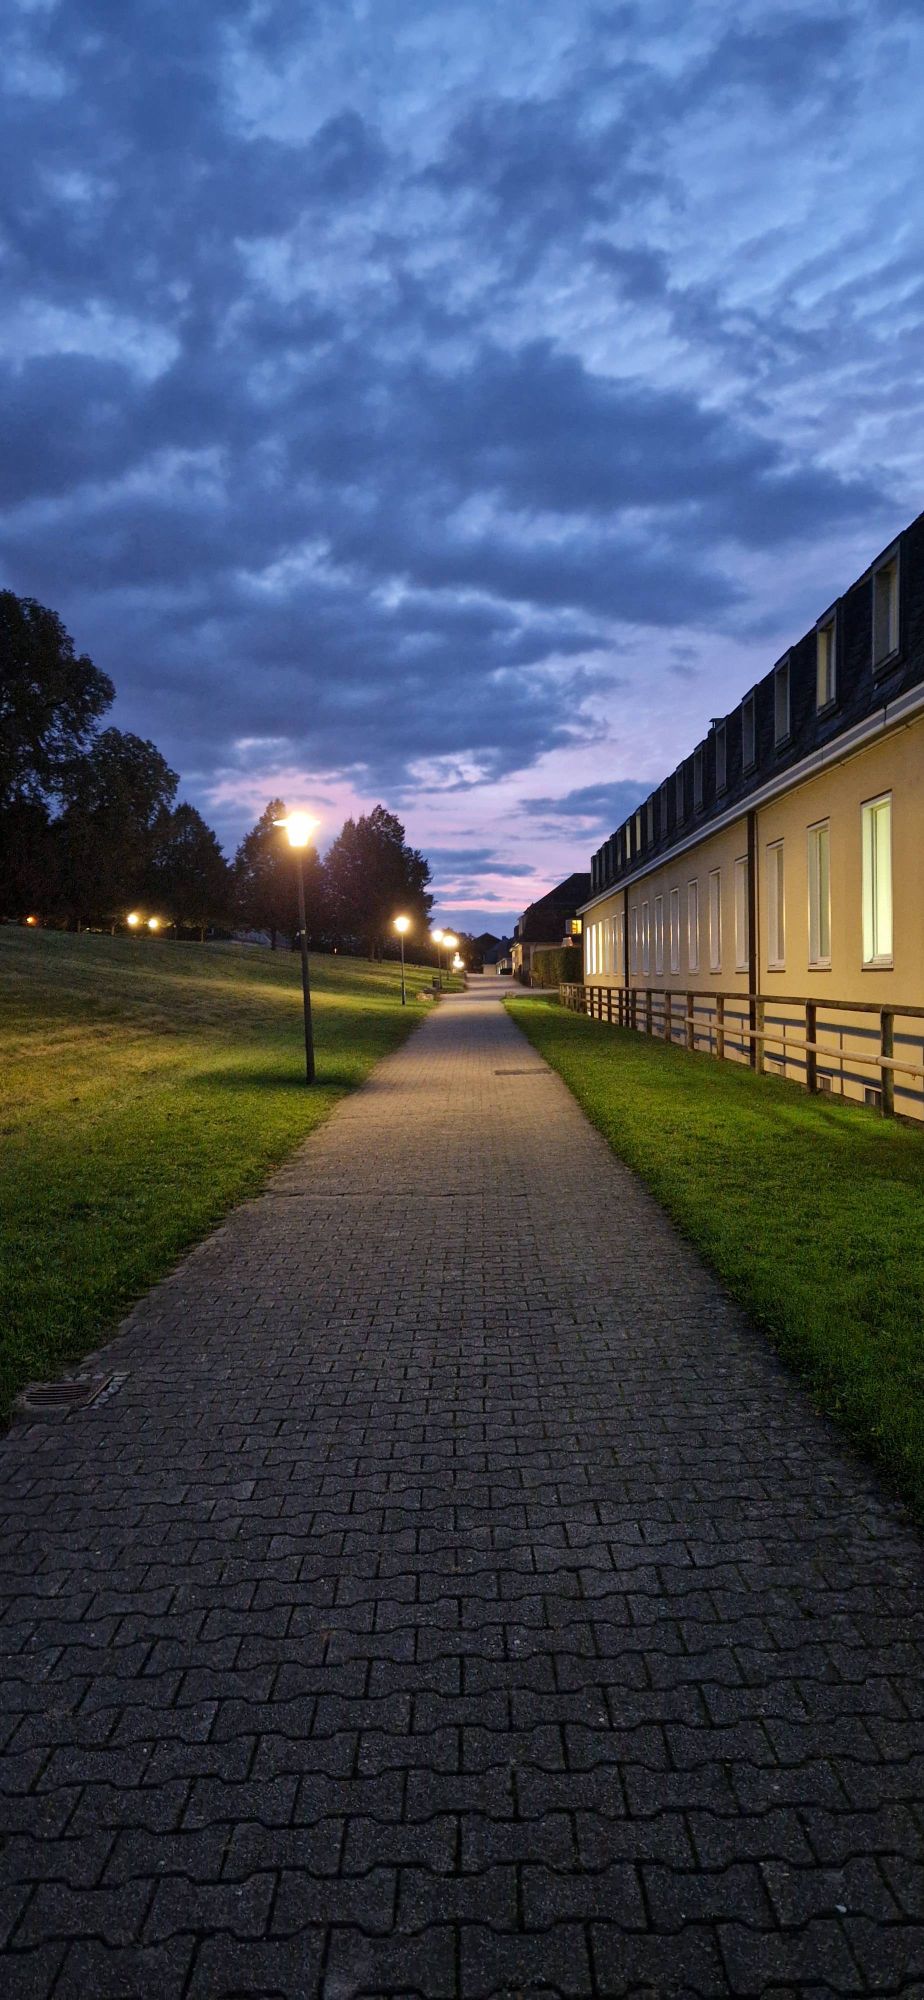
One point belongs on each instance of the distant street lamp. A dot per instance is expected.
(153, 923)
(300, 829)
(437, 937)
(450, 942)
(402, 924)
(133, 920)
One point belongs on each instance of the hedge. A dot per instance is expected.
(557, 963)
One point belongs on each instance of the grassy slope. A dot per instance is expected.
(810, 1210)
(146, 1087)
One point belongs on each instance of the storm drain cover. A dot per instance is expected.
(519, 1072)
(58, 1399)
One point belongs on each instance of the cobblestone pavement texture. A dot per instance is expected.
(458, 1598)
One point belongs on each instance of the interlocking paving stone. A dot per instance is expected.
(458, 1598)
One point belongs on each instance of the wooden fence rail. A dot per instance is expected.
(740, 1020)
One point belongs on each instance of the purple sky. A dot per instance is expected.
(454, 405)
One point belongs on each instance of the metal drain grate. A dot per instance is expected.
(520, 1072)
(58, 1399)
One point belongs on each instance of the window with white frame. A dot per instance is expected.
(826, 662)
(698, 778)
(776, 907)
(885, 610)
(748, 734)
(659, 934)
(646, 938)
(665, 804)
(649, 817)
(721, 761)
(679, 804)
(638, 831)
(819, 894)
(781, 702)
(742, 928)
(620, 943)
(715, 920)
(633, 939)
(877, 881)
(693, 926)
(674, 923)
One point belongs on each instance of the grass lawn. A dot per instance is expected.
(810, 1210)
(147, 1086)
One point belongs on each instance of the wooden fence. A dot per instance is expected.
(792, 1036)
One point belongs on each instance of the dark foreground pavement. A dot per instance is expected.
(456, 1599)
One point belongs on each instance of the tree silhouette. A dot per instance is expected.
(373, 876)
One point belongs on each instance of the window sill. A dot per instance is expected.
(878, 965)
(887, 664)
(819, 965)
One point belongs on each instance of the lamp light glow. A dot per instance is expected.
(402, 925)
(299, 827)
(438, 936)
(32, 921)
(133, 920)
(153, 923)
(450, 940)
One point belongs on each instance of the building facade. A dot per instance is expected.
(780, 864)
(552, 920)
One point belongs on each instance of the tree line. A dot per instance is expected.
(91, 830)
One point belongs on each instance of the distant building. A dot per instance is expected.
(778, 868)
(554, 919)
(491, 949)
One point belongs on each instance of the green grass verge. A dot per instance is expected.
(810, 1210)
(147, 1086)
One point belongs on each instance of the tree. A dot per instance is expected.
(372, 876)
(50, 699)
(189, 873)
(265, 891)
(115, 796)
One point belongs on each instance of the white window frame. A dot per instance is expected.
(620, 965)
(659, 935)
(885, 577)
(748, 732)
(693, 925)
(715, 919)
(826, 662)
(633, 938)
(776, 906)
(878, 919)
(742, 924)
(646, 939)
(819, 895)
(782, 703)
(674, 929)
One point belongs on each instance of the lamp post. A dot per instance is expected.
(402, 924)
(437, 937)
(450, 942)
(300, 829)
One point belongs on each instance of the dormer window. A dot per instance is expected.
(679, 800)
(649, 814)
(826, 662)
(721, 761)
(781, 703)
(885, 610)
(698, 778)
(748, 734)
(638, 831)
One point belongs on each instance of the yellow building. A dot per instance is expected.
(766, 901)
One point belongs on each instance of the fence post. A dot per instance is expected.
(720, 1026)
(811, 1035)
(668, 1017)
(758, 1043)
(648, 1010)
(887, 1049)
(691, 1022)
(609, 1006)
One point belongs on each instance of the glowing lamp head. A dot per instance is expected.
(32, 921)
(457, 963)
(438, 937)
(133, 920)
(299, 827)
(402, 925)
(153, 923)
(450, 940)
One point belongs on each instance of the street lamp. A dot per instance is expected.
(438, 937)
(133, 920)
(450, 942)
(402, 924)
(153, 923)
(300, 829)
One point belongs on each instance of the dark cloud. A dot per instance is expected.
(602, 807)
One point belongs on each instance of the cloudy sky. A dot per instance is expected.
(454, 404)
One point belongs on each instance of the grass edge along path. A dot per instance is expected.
(148, 1087)
(809, 1210)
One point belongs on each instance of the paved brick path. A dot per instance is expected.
(457, 1599)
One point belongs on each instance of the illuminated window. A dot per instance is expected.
(675, 929)
(826, 663)
(885, 610)
(776, 907)
(576, 926)
(781, 703)
(646, 939)
(877, 881)
(819, 893)
(715, 920)
(748, 734)
(742, 932)
(633, 939)
(659, 934)
(693, 926)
